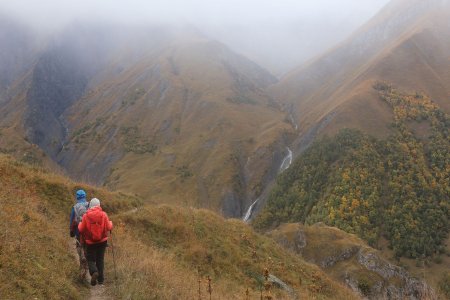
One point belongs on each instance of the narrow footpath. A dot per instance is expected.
(98, 292)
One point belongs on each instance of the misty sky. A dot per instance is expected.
(278, 34)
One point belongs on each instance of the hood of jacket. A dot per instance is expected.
(95, 214)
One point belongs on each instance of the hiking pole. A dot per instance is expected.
(114, 257)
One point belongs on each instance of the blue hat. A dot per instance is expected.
(81, 194)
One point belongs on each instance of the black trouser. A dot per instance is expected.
(95, 254)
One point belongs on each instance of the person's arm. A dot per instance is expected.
(109, 224)
(72, 216)
(82, 225)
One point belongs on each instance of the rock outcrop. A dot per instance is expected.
(352, 262)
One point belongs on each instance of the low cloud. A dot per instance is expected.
(276, 34)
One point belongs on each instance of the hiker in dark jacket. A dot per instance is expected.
(94, 228)
(76, 214)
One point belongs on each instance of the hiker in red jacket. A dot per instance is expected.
(94, 227)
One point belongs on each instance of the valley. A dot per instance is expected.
(334, 176)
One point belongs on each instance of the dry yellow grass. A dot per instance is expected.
(160, 250)
(35, 256)
(186, 242)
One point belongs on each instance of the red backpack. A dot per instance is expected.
(96, 228)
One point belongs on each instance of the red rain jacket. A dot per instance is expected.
(95, 225)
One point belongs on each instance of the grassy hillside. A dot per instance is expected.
(194, 244)
(161, 251)
(36, 259)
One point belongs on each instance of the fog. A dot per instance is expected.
(279, 35)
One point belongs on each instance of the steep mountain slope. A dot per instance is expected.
(19, 52)
(182, 121)
(387, 182)
(163, 112)
(162, 252)
(406, 44)
(394, 192)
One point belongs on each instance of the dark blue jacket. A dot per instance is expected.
(72, 217)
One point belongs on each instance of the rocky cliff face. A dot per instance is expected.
(352, 262)
(396, 283)
(57, 81)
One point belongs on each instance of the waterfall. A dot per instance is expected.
(249, 212)
(287, 161)
(285, 164)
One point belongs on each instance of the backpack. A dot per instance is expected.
(97, 230)
(79, 209)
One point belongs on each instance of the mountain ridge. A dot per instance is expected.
(340, 80)
(156, 101)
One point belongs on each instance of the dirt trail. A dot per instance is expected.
(98, 292)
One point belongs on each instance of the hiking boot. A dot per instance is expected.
(94, 278)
